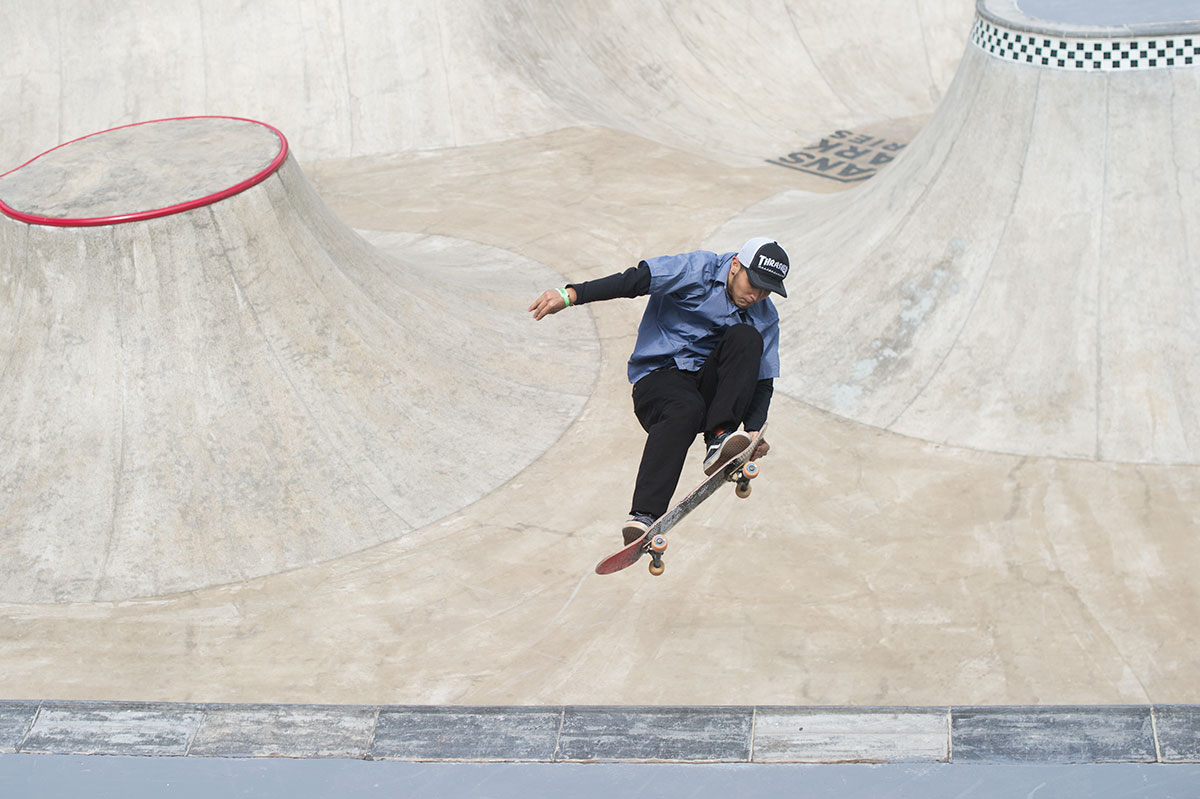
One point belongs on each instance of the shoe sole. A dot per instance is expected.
(632, 533)
(732, 446)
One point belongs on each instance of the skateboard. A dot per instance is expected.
(740, 470)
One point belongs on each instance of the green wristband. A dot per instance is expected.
(566, 297)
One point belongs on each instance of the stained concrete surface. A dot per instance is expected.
(526, 733)
(997, 506)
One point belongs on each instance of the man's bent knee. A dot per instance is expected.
(744, 337)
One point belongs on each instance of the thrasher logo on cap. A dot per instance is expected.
(771, 266)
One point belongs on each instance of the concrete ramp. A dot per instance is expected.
(247, 387)
(738, 82)
(203, 396)
(1023, 279)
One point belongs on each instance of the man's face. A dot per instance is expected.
(740, 289)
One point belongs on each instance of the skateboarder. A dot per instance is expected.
(706, 356)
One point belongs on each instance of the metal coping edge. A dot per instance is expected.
(154, 213)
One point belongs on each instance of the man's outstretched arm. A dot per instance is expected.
(633, 282)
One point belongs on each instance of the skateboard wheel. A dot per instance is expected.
(743, 489)
(658, 543)
(657, 568)
(750, 470)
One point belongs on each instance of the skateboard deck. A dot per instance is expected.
(739, 469)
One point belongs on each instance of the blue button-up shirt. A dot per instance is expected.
(689, 311)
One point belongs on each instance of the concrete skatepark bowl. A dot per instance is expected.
(301, 444)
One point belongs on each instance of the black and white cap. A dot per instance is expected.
(766, 264)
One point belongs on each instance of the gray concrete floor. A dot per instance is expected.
(63, 777)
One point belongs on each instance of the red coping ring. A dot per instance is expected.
(138, 216)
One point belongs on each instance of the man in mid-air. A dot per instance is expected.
(706, 356)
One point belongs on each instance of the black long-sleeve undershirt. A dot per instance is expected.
(756, 414)
(635, 282)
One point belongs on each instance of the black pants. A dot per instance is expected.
(674, 406)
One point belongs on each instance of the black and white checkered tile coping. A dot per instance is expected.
(1091, 55)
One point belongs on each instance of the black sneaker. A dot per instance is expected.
(722, 447)
(636, 527)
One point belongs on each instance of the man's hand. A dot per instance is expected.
(551, 302)
(763, 447)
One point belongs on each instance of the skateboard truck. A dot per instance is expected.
(657, 546)
(748, 472)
